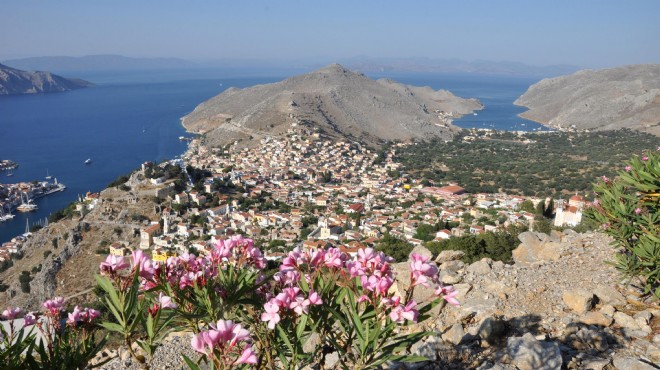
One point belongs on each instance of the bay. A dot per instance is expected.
(130, 118)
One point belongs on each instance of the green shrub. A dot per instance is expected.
(627, 209)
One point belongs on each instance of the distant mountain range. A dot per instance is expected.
(332, 100)
(15, 81)
(94, 63)
(608, 99)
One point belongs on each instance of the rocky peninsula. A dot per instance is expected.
(15, 81)
(608, 99)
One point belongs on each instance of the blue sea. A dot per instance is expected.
(127, 119)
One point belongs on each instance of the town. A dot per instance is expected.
(303, 190)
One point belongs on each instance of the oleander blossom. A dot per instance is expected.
(113, 264)
(225, 341)
(54, 306)
(421, 272)
(11, 313)
(448, 293)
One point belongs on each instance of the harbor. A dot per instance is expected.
(21, 196)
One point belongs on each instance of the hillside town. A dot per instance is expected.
(304, 190)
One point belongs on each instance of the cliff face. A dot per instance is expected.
(624, 97)
(15, 81)
(337, 101)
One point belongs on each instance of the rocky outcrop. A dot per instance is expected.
(609, 99)
(335, 101)
(15, 81)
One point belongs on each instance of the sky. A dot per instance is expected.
(585, 33)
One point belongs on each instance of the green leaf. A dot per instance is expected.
(192, 365)
(111, 326)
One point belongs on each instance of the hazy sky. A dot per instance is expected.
(578, 32)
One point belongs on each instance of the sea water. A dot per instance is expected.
(127, 119)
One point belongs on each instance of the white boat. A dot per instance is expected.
(26, 205)
(88, 161)
(48, 177)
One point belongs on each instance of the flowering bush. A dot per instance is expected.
(317, 302)
(67, 339)
(627, 209)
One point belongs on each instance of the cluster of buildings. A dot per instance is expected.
(314, 192)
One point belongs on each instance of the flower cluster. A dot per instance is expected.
(226, 343)
(292, 299)
(82, 316)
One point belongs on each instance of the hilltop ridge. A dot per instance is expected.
(15, 81)
(335, 101)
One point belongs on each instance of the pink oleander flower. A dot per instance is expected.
(113, 264)
(247, 357)
(399, 314)
(165, 301)
(606, 226)
(645, 158)
(202, 343)
(314, 298)
(596, 202)
(143, 263)
(54, 306)
(92, 314)
(638, 210)
(449, 294)
(11, 313)
(628, 168)
(605, 179)
(334, 258)
(271, 315)
(29, 319)
(299, 305)
(420, 270)
(75, 316)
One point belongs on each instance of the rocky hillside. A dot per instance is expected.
(558, 306)
(15, 81)
(609, 99)
(63, 258)
(337, 101)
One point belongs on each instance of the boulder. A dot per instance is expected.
(422, 251)
(534, 249)
(481, 267)
(608, 295)
(595, 318)
(625, 321)
(446, 256)
(527, 353)
(629, 363)
(578, 300)
(454, 335)
(491, 329)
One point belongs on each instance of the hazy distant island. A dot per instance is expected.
(15, 81)
(608, 99)
(333, 101)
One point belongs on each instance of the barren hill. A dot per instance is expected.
(624, 97)
(337, 101)
(15, 81)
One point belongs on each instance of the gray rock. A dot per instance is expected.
(643, 317)
(491, 329)
(453, 266)
(625, 321)
(534, 249)
(607, 310)
(593, 339)
(331, 360)
(629, 363)
(446, 256)
(527, 353)
(609, 295)
(454, 335)
(450, 278)
(481, 267)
